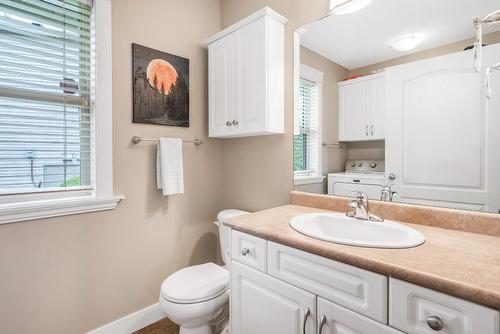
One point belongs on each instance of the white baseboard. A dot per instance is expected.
(132, 322)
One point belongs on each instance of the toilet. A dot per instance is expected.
(197, 297)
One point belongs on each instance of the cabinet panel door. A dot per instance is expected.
(377, 108)
(262, 304)
(353, 117)
(221, 86)
(340, 320)
(442, 133)
(250, 51)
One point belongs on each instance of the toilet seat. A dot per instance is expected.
(195, 284)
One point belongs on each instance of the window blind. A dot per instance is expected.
(306, 142)
(45, 79)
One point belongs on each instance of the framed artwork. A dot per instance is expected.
(160, 87)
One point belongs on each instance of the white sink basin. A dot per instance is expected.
(338, 228)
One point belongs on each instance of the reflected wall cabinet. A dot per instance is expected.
(246, 77)
(362, 108)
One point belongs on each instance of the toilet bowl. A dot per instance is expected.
(197, 297)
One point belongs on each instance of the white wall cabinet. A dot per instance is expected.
(246, 77)
(302, 293)
(362, 108)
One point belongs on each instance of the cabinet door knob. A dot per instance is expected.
(235, 122)
(435, 323)
(228, 123)
(392, 176)
(306, 315)
(245, 251)
(322, 323)
(366, 131)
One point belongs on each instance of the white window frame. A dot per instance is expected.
(316, 76)
(29, 206)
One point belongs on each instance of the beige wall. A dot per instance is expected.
(71, 274)
(257, 172)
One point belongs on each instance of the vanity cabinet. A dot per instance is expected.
(296, 292)
(246, 77)
(362, 108)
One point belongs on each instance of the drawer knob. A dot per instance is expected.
(245, 251)
(435, 323)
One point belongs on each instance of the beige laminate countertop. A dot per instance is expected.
(463, 264)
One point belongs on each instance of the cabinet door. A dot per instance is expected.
(341, 320)
(353, 116)
(250, 86)
(442, 133)
(221, 86)
(377, 108)
(262, 304)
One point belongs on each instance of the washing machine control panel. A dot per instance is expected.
(365, 166)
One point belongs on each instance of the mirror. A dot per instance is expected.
(401, 100)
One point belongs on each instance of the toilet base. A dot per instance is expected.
(206, 329)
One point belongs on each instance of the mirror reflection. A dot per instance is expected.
(401, 100)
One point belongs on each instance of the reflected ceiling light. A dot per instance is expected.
(405, 43)
(343, 7)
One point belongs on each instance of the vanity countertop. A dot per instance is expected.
(463, 264)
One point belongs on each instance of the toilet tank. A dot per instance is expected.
(225, 232)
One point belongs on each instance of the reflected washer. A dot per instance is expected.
(360, 175)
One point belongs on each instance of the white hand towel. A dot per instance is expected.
(169, 171)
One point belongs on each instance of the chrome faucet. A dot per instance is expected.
(386, 194)
(359, 208)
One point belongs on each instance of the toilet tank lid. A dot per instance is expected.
(225, 214)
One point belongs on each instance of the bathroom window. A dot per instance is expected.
(52, 104)
(307, 157)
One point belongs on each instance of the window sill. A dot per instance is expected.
(300, 180)
(22, 211)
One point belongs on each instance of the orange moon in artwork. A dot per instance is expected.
(165, 73)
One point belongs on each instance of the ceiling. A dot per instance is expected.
(362, 38)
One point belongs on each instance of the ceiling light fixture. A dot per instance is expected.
(405, 43)
(342, 7)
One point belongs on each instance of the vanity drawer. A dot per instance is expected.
(341, 320)
(249, 250)
(359, 290)
(411, 306)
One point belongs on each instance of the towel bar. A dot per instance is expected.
(196, 141)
